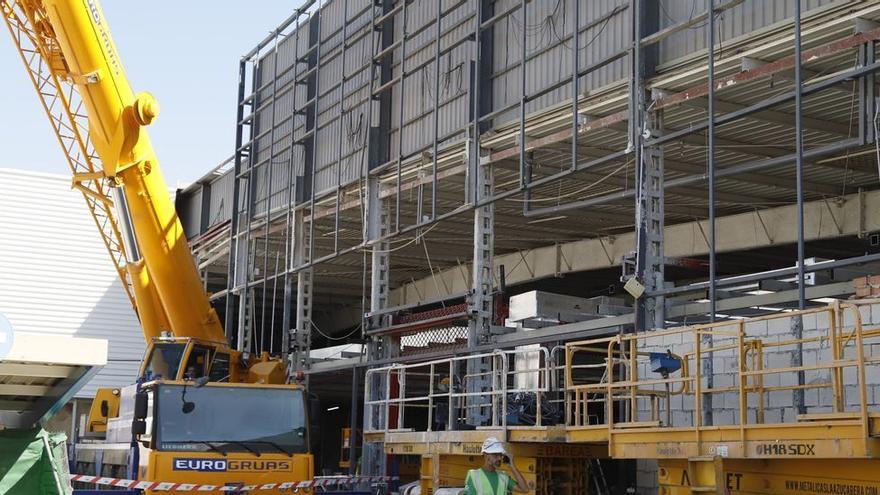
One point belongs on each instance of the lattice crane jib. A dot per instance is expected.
(99, 122)
(38, 48)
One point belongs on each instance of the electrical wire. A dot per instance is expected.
(876, 140)
(608, 16)
(673, 20)
(431, 267)
(574, 193)
(852, 114)
(408, 243)
(328, 337)
(690, 17)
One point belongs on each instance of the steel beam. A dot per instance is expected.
(744, 231)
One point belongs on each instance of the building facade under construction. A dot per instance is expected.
(445, 181)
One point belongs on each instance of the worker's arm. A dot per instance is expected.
(521, 485)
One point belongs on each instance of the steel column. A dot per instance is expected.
(239, 157)
(289, 240)
(302, 331)
(708, 362)
(261, 343)
(481, 298)
(797, 323)
(378, 226)
(649, 260)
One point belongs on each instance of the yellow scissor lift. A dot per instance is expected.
(600, 399)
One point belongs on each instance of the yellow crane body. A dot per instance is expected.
(117, 118)
(238, 415)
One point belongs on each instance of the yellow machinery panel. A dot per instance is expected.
(232, 469)
(545, 475)
(450, 470)
(104, 406)
(615, 397)
(770, 477)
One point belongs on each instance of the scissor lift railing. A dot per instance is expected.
(407, 396)
(602, 383)
(613, 407)
(427, 410)
(632, 429)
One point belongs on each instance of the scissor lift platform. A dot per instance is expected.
(599, 400)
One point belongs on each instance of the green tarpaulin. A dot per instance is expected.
(33, 462)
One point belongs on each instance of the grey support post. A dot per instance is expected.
(652, 223)
(302, 329)
(480, 301)
(378, 227)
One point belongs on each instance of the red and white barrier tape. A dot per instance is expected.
(165, 486)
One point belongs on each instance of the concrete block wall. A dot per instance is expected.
(778, 405)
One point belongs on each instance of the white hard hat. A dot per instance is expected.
(492, 446)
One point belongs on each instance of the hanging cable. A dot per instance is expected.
(410, 242)
(573, 193)
(877, 141)
(328, 337)
(433, 277)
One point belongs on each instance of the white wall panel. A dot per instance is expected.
(56, 276)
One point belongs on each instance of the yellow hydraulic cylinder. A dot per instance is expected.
(150, 311)
(116, 126)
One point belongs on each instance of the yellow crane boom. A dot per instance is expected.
(77, 51)
(188, 376)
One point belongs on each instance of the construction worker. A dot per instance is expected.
(488, 480)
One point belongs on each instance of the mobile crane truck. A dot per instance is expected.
(200, 412)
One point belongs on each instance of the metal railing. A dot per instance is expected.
(844, 343)
(607, 383)
(446, 394)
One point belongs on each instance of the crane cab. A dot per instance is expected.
(186, 358)
(222, 433)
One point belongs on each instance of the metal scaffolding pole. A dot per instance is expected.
(266, 231)
(289, 240)
(575, 89)
(302, 337)
(708, 364)
(245, 329)
(376, 232)
(315, 38)
(797, 358)
(238, 160)
(400, 113)
(339, 119)
(523, 94)
(435, 150)
(378, 225)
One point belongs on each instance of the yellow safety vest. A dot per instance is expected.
(481, 482)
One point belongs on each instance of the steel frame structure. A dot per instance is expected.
(469, 175)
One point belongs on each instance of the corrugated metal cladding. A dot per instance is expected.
(604, 29)
(744, 18)
(56, 277)
(189, 208)
(422, 86)
(190, 203)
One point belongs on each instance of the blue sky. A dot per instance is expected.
(184, 52)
